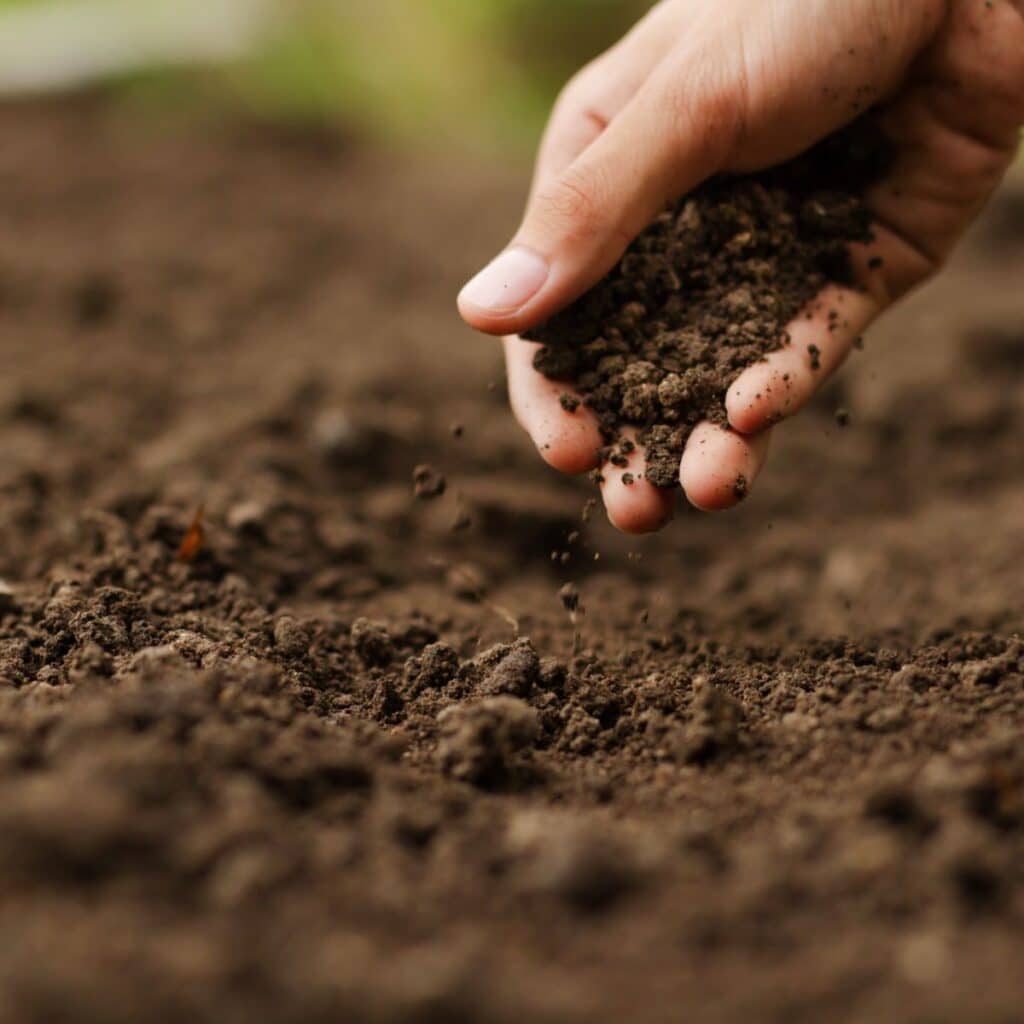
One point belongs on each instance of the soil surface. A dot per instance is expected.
(325, 751)
(706, 291)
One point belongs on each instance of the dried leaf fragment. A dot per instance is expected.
(194, 538)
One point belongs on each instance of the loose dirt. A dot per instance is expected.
(706, 291)
(343, 763)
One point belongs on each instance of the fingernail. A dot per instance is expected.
(508, 283)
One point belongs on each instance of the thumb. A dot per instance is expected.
(665, 142)
(738, 94)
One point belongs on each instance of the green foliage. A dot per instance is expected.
(444, 69)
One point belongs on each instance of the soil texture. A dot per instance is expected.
(280, 740)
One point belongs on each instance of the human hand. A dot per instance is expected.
(697, 89)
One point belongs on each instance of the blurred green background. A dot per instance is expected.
(483, 72)
(489, 67)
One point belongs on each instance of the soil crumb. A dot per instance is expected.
(428, 483)
(707, 290)
(569, 595)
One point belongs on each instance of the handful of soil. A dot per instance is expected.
(707, 290)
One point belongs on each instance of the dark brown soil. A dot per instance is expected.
(350, 764)
(707, 290)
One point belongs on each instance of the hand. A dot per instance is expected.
(739, 85)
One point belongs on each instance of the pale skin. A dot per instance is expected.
(701, 87)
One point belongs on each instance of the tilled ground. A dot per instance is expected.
(352, 763)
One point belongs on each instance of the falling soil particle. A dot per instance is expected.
(570, 597)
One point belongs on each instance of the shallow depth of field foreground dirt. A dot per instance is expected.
(777, 776)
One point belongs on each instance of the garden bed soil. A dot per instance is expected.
(280, 742)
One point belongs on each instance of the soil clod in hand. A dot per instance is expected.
(428, 483)
(707, 290)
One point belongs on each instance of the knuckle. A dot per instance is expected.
(583, 97)
(574, 205)
(1003, 74)
(706, 110)
(1015, 76)
(582, 83)
(989, 58)
(584, 87)
(704, 103)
